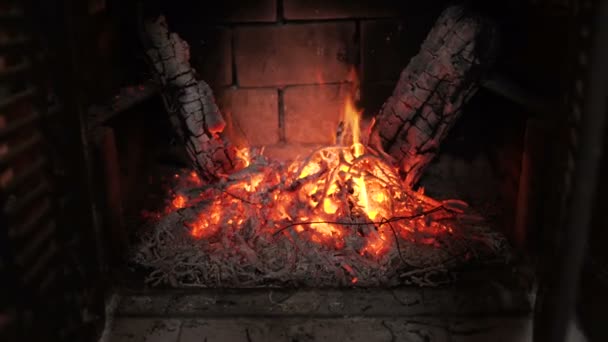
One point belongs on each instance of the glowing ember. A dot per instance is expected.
(194, 178)
(206, 225)
(334, 195)
(339, 216)
(179, 202)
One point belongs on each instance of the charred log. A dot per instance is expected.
(432, 89)
(190, 102)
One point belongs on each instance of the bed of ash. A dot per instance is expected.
(340, 216)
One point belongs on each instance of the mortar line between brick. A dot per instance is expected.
(329, 20)
(299, 21)
(284, 86)
(358, 48)
(280, 12)
(281, 113)
(233, 56)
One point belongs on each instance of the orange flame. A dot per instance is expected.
(351, 118)
(244, 154)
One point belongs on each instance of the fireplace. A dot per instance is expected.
(294, 175)
(305, 199)
(307, 170)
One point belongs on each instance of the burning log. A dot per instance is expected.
(190, 102)
(432, 90)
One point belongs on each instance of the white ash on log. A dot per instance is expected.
(432, 89)
(190, 102)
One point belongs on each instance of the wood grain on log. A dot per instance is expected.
(190, 102)
(432, 89)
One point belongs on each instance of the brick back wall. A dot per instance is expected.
(280, 68)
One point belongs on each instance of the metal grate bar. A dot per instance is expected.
(32, 222)
(20, 149)
(18, 124)
(25, 175)
(25, 201)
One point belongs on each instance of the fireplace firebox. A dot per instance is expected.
(311, 170)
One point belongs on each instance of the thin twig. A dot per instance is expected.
(397, 244)
(379, 223)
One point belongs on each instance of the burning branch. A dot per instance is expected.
(376, 223)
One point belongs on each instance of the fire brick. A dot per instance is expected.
(212, 56)
(387, 47)
(312, 113)
(323, 9)
(253, 115)
(294, 54)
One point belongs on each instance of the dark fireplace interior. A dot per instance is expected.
(373, 170)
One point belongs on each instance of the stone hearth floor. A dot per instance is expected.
(367, 329)
(482, 314)
(490, 311)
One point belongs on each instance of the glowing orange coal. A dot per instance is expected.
(336, 194)
(179, 202)
(194, 178)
